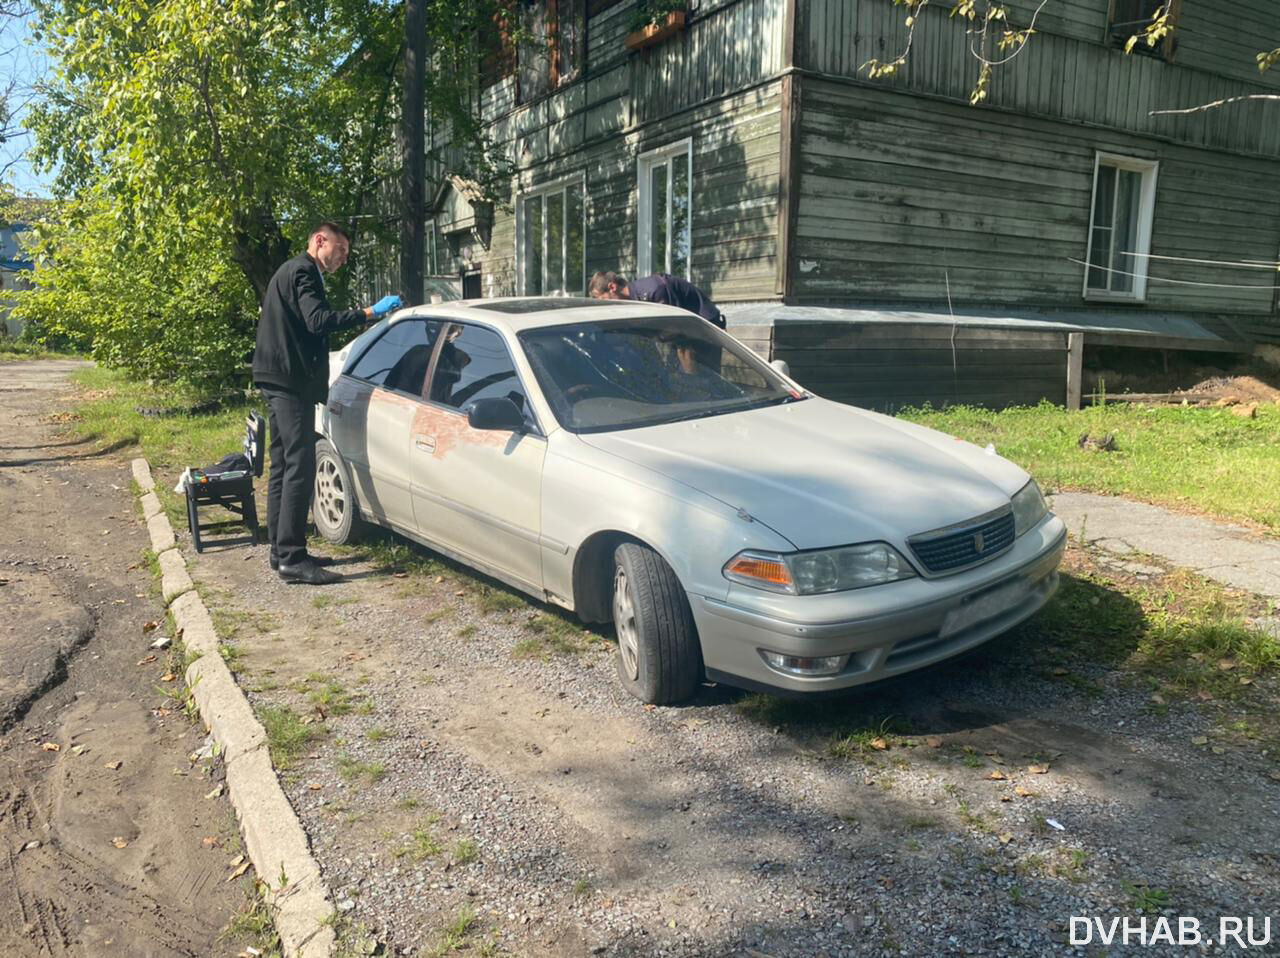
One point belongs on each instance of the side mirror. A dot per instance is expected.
(498, 413)
(781, 366)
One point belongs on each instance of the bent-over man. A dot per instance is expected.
(658, 288)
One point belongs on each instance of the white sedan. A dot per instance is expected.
(634, 464)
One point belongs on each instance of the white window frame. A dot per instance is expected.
(645, 162)
(1149, 169)
(522, 253)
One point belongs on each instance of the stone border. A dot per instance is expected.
(273, 836)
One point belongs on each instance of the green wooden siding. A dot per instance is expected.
(900, 195)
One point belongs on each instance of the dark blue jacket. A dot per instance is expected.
(674, 291)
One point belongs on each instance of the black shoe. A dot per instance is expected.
(273, 560)
(308, 572)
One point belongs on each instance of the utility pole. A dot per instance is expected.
(413, 154)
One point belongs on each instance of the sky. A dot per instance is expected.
(19, 60)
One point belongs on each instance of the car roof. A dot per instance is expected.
(518, 313)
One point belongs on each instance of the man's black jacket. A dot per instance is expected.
(665, 288)
(291, 352)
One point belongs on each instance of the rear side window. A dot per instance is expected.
(398, 359)
(474, 364)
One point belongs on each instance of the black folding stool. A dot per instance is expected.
(231, 490)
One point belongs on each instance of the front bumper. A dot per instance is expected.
(885, 630)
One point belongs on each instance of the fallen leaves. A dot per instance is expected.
(240, 870)
(114, 766)
(210, 841)
(933, 741)
(217, 791)
(150, 626)
(1022, 792)
(147, 661)
(51, 747)
(168, 677)
(1038, 769)
(119, 842)
(879, 744)
(997, 775)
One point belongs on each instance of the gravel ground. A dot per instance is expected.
(474, 779)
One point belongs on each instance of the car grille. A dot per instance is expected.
(955, 549)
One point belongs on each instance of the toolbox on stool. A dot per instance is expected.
(229, 484)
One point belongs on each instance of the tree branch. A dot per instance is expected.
(1215, 104)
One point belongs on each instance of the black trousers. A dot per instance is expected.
(293, 472)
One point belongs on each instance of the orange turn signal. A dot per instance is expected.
(771, 572)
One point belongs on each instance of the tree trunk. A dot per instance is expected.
(412, 154)
(260, 247)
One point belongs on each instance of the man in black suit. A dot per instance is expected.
(658, 288)
(291, 367)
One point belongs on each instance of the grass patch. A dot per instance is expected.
(1207, 459)
(453, 937)
(1145, 899)
(288, 738)
(491, 600)
(467, 631)
(422, 843)
(254, 927)
(465, 852)
(329, 601)
(1181, 633)
(377, 734)
(327, 695)
(106, 407)
(352, 769)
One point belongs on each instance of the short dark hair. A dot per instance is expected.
(601, 280)
(332, 227)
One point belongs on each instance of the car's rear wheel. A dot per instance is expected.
(658, 658)
(333, 506)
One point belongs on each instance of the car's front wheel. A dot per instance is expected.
(659, 660)
(334, 507)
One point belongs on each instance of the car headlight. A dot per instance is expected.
(825, 570)
(1028, 508)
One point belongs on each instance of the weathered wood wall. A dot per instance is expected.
(900, 195)
(1066, 71)
(716, 83)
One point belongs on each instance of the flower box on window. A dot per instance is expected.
(653, 33)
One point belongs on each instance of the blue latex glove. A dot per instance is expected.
(385, 305)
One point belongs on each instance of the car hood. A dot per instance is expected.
(822, 473)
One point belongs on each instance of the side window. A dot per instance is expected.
(399, 358)
(474, 364)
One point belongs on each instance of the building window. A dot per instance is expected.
(552, 251)
(552, 45)
(1124, 195)
(664, 242)
(1131, 18)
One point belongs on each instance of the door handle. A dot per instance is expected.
(426, 443)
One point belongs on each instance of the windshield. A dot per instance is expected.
(619, 374)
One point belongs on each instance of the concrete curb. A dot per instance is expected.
(273, 836)
(174, 580)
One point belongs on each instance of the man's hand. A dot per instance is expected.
(384, 306)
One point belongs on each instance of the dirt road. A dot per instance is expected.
(103, 845)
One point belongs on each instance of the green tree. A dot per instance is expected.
(206, 139)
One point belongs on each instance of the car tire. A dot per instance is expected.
(333, 507)
(659, 659)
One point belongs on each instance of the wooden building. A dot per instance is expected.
(893, 243)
